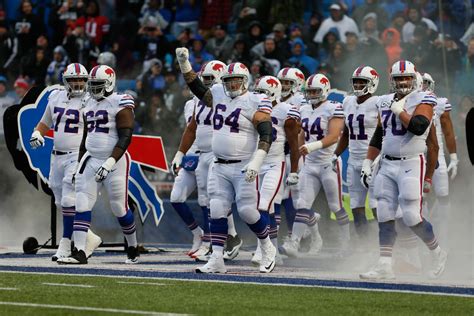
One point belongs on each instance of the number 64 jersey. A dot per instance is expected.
(100, 116)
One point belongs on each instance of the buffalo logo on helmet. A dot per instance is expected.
(324, 81)
(110, 72)
(374, 73)
(299, 75)
(272, 82)
(218, 67)
(243, 66)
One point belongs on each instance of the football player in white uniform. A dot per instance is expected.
(400, 137)
(63, 112)
(292, 82)
(444, 126)
(286, 126)
(104, 161)
(361, 118)
(240, 142)
(322, 122)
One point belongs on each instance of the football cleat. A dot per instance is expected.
(316, 241)
(214, 265)
(64, 249)
(439, 264)
(132, 255)
(267, 264)
(381, 271)
(77, 257)
(257, 256)
(92, 243)
(197, 241)
(232, 247)
(290, 248)
(202, 252)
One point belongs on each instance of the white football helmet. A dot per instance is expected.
(211, 72)
(101, 81)
(75, 79)
(317, 88)
(235, 80)
(292, 80)
(428, 82)
(269, 86)
(371, 78)
(419, 81)
(107, 58)
(403, 77)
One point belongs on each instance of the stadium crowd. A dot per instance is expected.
(39, 38)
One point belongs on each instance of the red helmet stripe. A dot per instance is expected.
(231, 68)
(310, 82)
(285, 71)
(78, 69)
(359, 70)
(402, 66)
(94, 71)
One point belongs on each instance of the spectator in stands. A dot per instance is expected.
(21, 86)
(391, 41)
(173, 93)
(468, 35)
(34, 67)
(393, 7)
(186, 16)
(54, 73)
(414, 19)
(299, 59)
(240, 52)
(337, 59)
(215, 13)
(466, 74)
(398, 21)
(151, 8)
(254, 34)
(369, 27)
(220, 44)
(43, 43)
(256, 71)
(80, 47)
(198, 55)
(419, 49)
(281, 41)
(453, 56)
(5, 102)
(96, 26)
(354, 51)
(61, 16)
(153, 43)
(371, 6)
(339, 20)
(8, 49)
(327, 45)
(268, 50)
(28, 27)
(309, 31)
(152, 79)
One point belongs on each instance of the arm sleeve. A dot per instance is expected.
(293, 113)
(337, 111)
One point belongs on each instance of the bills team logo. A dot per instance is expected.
(110, 72)
(218, 67)
(324, 81)
(145, 151)
(272, 82)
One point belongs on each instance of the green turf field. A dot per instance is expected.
(205, 298)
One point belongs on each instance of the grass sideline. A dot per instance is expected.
(205, 298)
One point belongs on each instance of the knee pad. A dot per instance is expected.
(410, 189)
(385, 211)
(68, 200)
(203, 200)
(177, 195)
(118, 208)
(411, 212)
(82, 203)
(249, 214)
(218, 209)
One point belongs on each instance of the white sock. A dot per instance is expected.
(197, 231)
(385, 260)
(231, 226)
(80, 239)
(413, 256)
(218, 251)
(274, 242)
(265, 242)
(298, 230)
(131, 239)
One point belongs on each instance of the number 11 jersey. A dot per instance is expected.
(100, 116)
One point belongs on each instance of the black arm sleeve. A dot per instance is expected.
(125, 138)
(264, 130)
(376, 140)
(418, 125)
(197, 87)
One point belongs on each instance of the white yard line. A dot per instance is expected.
(141, 283)
(8, 289)
(85, 308)
(67, 284)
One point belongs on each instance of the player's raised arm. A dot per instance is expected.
(431, 158)
(41, 129)
(192, 80)
(449, 136)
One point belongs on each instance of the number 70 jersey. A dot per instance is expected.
(100, 116)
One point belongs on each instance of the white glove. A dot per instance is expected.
(334, 159)
(182, 55)
(427, 183)
(292, 179)
(104, 170)
(453, 165)
(176, 163)
(36, 140)
(398, 107)
(252, 169)
(310, 147)
(366, 173)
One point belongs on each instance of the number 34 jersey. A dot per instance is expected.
(315, 125)
(397, 140)
(65, 115)
(234, 136)
(361, 121)
(100, 116)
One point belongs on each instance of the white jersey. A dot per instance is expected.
(280, 113)
(297, 100)
(64, 114)
(397, 140)
(315, 125)
(188, 115)
(234, 136)
(203, 117)
(100, 116)
(442, 106)
(361, 121)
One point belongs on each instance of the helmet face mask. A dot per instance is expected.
(314, 95)
(317, 89)
(292, 80)
(287, 86)
(101, 82)
(96, 88)
(360, 86)
(403, 84)
(234, 85)
(76, 86)
(208, 80)
(428, 83)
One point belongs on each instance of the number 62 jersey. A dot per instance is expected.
(64, 114)
(100, 116)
